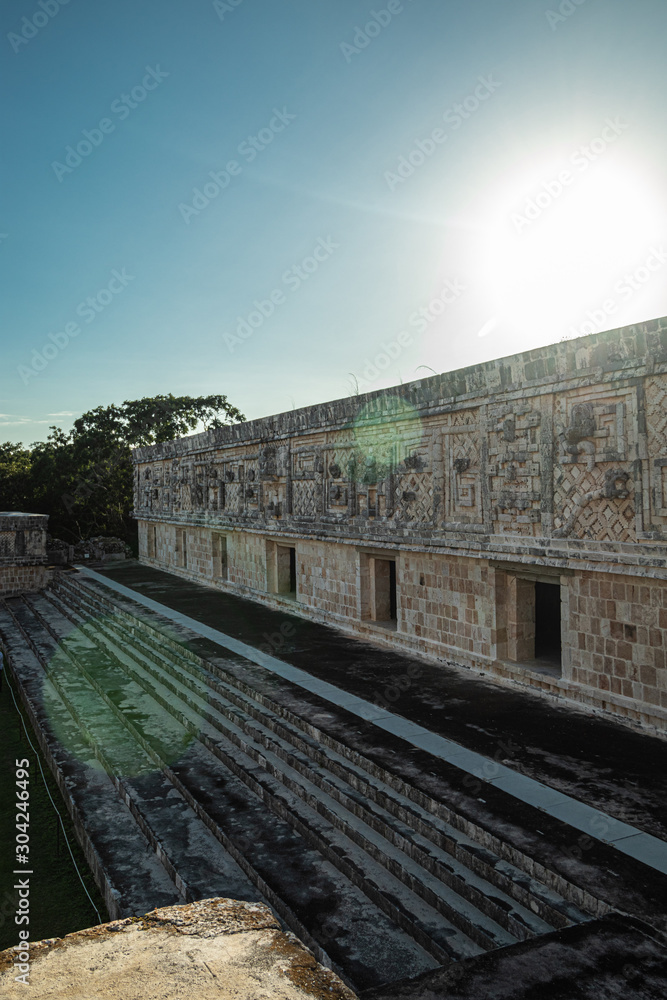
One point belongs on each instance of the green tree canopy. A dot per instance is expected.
(15, 488)
(83, 479)
(153, 419)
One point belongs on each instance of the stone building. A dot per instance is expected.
(510, 517)
(23, 557)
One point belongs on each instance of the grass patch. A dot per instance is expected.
(58, 901)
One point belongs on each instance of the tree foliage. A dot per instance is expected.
(15, 490)
(83, 479)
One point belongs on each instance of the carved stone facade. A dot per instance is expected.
(22, 552)
(446, 516)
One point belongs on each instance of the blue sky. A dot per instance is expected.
(395, 185)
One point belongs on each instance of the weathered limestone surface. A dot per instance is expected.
(546, 467)
(613, 958)
(22, 552)
(212, 949)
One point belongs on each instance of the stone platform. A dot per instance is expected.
(23, 555)
(214, 949)
(196, 770)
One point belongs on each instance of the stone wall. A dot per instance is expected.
(619, 628)
(482, 489)
(22, 552)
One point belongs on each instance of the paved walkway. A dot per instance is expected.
(207, 603)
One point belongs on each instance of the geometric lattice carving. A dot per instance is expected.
(596, 504)
(7, 544)
(186, 497)
(461, 418)
(413, 497)
(305, 497)
(593, 491)
(234, 498)
(453, 465)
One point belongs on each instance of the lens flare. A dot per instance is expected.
(98, 695)
(385, 430)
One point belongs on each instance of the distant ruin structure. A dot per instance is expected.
(510, 517)
(23, 558)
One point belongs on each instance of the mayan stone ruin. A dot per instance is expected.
(23, 556)
(510, 517)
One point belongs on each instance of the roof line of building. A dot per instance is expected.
(619, 352)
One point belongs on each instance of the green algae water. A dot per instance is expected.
(59, 903)
(107, 690)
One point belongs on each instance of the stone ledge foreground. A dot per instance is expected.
(212, 949)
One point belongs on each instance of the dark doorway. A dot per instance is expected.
(392, 590)
(284, 580)
(384, 592)
(219, 552)
(547, 622)
(292, 571)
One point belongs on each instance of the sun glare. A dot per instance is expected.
(573, 249)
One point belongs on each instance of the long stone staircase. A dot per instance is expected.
(190, 783)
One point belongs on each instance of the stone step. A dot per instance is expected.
(496, 886)
(126, 866)
(192, 857)
(285, 765)
(372, 840)
(143, 722)
(404, 906)
(487, 899)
